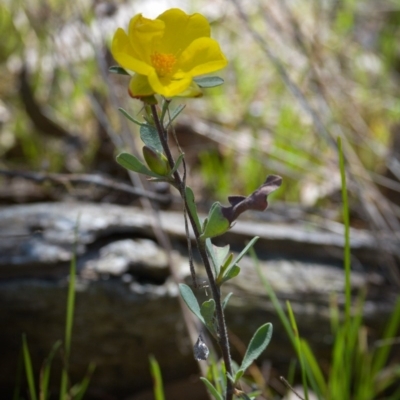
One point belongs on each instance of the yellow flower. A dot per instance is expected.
(167, 53)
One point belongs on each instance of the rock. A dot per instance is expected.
(127, 305)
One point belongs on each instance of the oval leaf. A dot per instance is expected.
(207, 311)
(130, 162)
(209, 81)
(191, 301)
(257, 345)
(232, 273)
(116, 69)
(149, 136)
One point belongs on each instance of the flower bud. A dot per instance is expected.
(156, 161)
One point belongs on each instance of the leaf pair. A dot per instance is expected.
(205, 313)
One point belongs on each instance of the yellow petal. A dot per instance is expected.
(167, 86)
(181, 29)
(126, 56)
(139, 86)
(202, 57)
(144, 35)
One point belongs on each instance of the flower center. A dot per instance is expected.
(163, 63)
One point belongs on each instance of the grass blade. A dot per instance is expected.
(391, 330)
(81, 389)
(28, 368)
(45, 373)
(211, 389)
(298, 349)
(69, 318)
(346, 221)
(157, 379)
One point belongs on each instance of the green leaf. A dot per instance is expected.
(225, 266)
(130, 162)
(257, 345)
(192, 207)
(45, 374)
(209, 81)
(127, 115)
(156, 161)
(238, 375)
(211, 254)
(149, 136)
(211, 389)
(174, 114)
(232, 273)
(207, 311)
(28, 368)
(234, 263)
(380, 357)
(116, 69)
(191, 301)
(177, 164)
(79, 390)
(245, 250)
(69, 319)
(220, 255)
(217, 223)
(314, 367)
(217, 255)
(225, 302)
(157, 379)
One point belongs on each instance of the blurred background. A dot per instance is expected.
(300, 75)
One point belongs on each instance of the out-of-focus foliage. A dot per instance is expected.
(341, 59)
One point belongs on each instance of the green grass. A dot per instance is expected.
(358, 370)
(67, 391)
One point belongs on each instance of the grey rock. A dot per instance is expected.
(127, 305)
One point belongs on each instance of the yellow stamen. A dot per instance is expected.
(163, 63)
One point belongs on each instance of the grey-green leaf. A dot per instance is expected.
(245, 250)
(116, 69)
(207, 311)
(211, 254)
(220, 254)
(130, 162)
(127, 115)
(191, 301)
(149, 135)
(174, 114)
(209, 81)
(257, 345)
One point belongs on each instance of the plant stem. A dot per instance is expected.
(223, 341)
